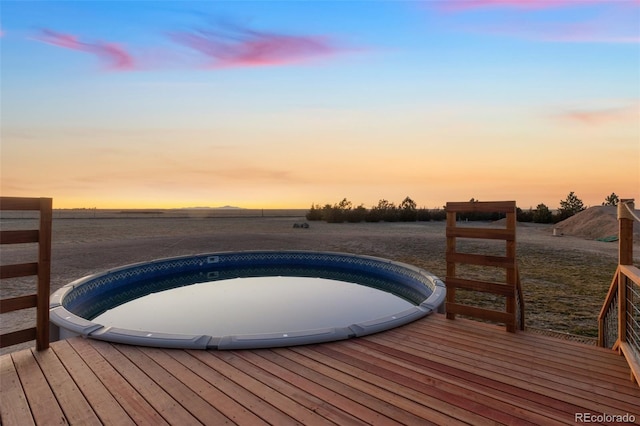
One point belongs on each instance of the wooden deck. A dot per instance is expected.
(433, 371)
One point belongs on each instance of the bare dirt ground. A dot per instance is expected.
(565, 279)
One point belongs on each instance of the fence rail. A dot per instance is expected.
(619, 318)
(513, 317)
(41, 268)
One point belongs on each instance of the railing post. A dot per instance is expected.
(451, 266)
(44, 274)
(622, 323)
(512, 273)
(625, 235)
(625, 257)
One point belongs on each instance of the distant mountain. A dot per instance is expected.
(213, 208)
(230, 208)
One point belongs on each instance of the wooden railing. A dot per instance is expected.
(41, 268)
(619, 319)
(513, 317)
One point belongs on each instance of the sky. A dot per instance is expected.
(285, 104)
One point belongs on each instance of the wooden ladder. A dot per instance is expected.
(513, 317)
(41, 268)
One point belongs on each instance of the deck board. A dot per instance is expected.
(74, 405)
(223, 411)
(519, 396)
(483, 403)
(309, 394)
(526, 405)
(191, 373)
(451, 404)
(137, 375)
(432, 371)
(102, 401)
(43, 404)
(137, 408)
(292, 412)
(175, 388)
(567, 388)
(14, 408)
(384, 400)
(336, 397)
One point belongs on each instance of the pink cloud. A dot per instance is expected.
(599, 116)
(615, 22)
(114, 56)
(247, 48)
(595, 31)
(524, 4)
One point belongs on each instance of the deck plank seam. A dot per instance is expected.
(456, 399)
(508, 341)
(306, 415)
(127, 395)
(63, 350)
(454, 338)
(63, 389)
(166, 380)
(233, 391)
(586, 352)
(288, 379)
(39, 396)
(526, 377)
(517, 401)
(235, 376)
(534, 359)
(499, 380)
(318, 362)
(9, 369)
(164, 404)
(204, 374)
(409, 394)
(343, 389)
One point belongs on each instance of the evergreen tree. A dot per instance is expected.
(570, 206)
(542, 214)
(611, 200)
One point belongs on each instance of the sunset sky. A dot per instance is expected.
(283, 104)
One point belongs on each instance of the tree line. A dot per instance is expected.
(407, 211)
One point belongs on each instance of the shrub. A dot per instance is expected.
(373, 215)
(356, 215)
(314, 213)
(386, 210)
(438, 214)
(408, 211)
(331, 214)
(542, 214)
(423, 215)
(524, 215)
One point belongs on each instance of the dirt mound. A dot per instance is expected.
(593, 223)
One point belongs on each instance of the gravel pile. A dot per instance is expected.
(593, 223)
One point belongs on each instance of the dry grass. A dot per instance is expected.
(565, 279)
(561, 292)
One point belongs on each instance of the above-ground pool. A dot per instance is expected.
(251, 299)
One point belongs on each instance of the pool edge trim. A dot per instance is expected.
(67, 324)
